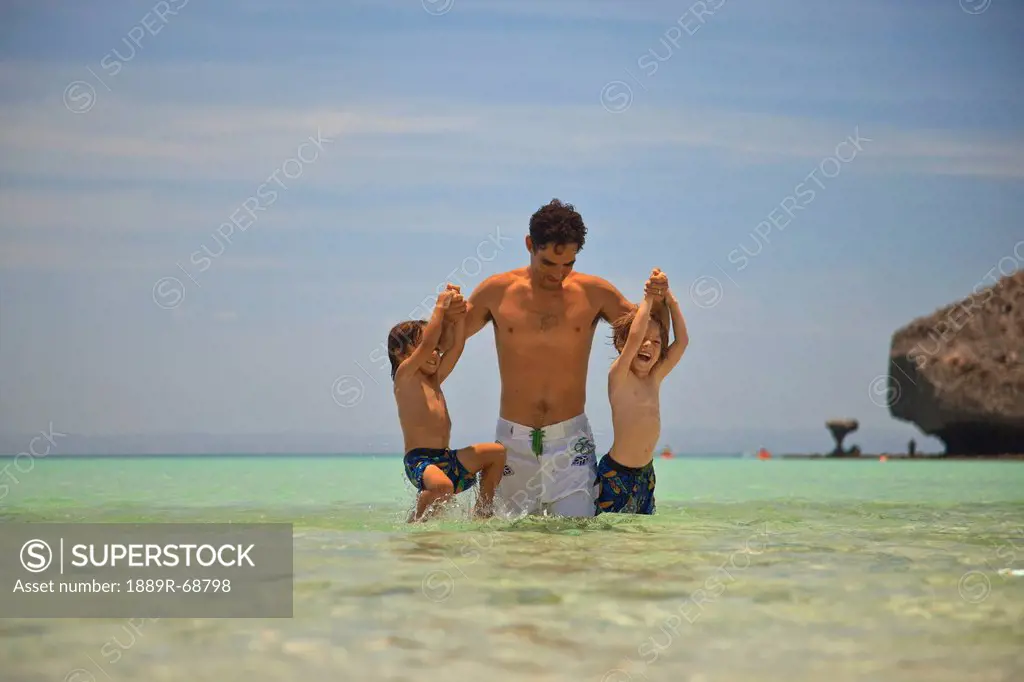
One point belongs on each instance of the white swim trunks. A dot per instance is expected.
(560, 480)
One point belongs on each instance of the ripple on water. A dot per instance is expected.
(529, 596)
(394, 642)
(534, 634)
(21, 629)
(375, 590)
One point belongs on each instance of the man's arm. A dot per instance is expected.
(613, 304)
(478, 306)
(681, 339)
(452, 355)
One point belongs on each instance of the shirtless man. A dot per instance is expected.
(544, 319)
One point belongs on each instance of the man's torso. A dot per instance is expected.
(544, 339)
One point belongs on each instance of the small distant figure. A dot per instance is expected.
(912, 448)
(626, 473)
(418, 369)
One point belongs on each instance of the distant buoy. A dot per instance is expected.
(883, 458)
(763, 454)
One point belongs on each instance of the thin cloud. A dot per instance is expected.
(24, 255)
(456, 142)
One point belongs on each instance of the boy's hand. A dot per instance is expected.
(444, 299)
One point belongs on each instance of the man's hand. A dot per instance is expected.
(657, 285)
(445, 299)
(457, 304)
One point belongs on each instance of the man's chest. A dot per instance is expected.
(545, 314)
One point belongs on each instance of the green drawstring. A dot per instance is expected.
(538, 441)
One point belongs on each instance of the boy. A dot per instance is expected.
(418, 370)
(626, 473)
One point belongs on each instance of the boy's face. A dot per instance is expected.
(650, 350)
(430, 366)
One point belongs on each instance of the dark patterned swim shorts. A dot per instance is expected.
(416, 461)
(625, 490)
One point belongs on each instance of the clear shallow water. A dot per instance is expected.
(782, 570)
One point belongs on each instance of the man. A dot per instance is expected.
(544, 319)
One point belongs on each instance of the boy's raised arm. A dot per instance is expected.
(452, 355)
(681, 338)
(431, 335)
(456, 307)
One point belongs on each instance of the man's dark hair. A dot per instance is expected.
(557, 223)
(403, 337)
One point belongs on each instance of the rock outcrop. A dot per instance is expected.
(840, 429)
(958, 374)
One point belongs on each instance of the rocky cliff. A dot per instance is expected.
(958, 374)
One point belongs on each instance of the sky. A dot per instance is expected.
(212, 213)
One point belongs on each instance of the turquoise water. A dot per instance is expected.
(782, 570)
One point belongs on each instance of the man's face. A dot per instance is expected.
(553, 263)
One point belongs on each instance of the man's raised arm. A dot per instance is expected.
(613, 304)
(478, 306)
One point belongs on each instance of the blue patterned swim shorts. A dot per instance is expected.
(416, 461)
(625, 490)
